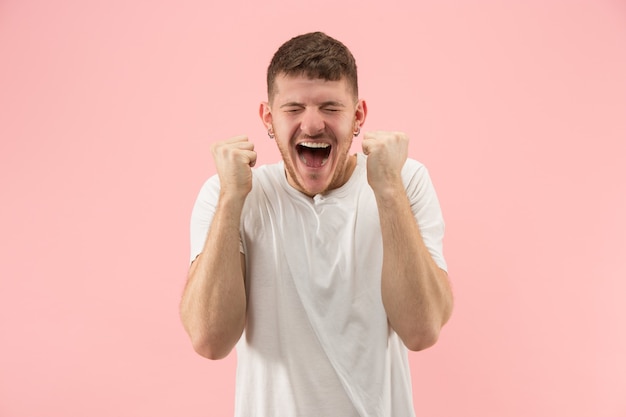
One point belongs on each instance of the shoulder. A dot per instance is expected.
(209, 192)
(268, 177)
(414, 174)
(412, 167)
(268, 184)
(269, 172)
(417, 181)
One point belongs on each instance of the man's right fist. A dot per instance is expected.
(234, 158)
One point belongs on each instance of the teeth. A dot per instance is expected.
(316, 145)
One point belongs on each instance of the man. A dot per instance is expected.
(323, 269)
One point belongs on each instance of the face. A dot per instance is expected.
(314, 121)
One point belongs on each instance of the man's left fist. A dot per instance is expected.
(386, 154)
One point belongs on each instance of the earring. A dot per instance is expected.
(270, 133)
(358, 131)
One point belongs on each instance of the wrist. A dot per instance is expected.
(232, 201)
(389, 192)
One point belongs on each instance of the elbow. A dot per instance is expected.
(421, 340)
(208, 343)
(427, 334)
(210, 349)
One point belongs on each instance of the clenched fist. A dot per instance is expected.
(234, 158)
(386, 154)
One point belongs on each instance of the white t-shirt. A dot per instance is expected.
(317, 341)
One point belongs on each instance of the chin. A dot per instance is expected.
(311, 181)
(312, 189)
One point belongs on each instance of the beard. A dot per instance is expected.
(340, 175)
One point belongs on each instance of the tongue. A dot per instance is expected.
(313, 158)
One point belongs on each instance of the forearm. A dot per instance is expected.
(213, 306)
(416, 293)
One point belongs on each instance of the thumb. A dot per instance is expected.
(366, 146)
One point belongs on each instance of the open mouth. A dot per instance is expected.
(313, 154)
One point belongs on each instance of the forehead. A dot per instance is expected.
(300, 88)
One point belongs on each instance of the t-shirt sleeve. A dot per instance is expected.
(202, 215)
(426, 209)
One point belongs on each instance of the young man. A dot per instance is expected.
(323, 269)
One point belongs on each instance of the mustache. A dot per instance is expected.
(321, 135)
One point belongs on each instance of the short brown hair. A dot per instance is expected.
(315, 55)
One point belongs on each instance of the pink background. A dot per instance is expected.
(107, 110)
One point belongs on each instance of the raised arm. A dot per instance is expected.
(416, 292)
(213, 306)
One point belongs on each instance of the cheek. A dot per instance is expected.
(285, 128)
(344, 129)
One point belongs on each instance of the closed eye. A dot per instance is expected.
(292, 109)
(332, 106)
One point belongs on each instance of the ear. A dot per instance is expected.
(266, 114)
(360, 114)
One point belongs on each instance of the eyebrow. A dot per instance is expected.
(324, 104)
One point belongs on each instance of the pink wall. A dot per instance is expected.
(107, 111)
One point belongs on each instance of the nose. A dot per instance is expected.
(312, 122)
